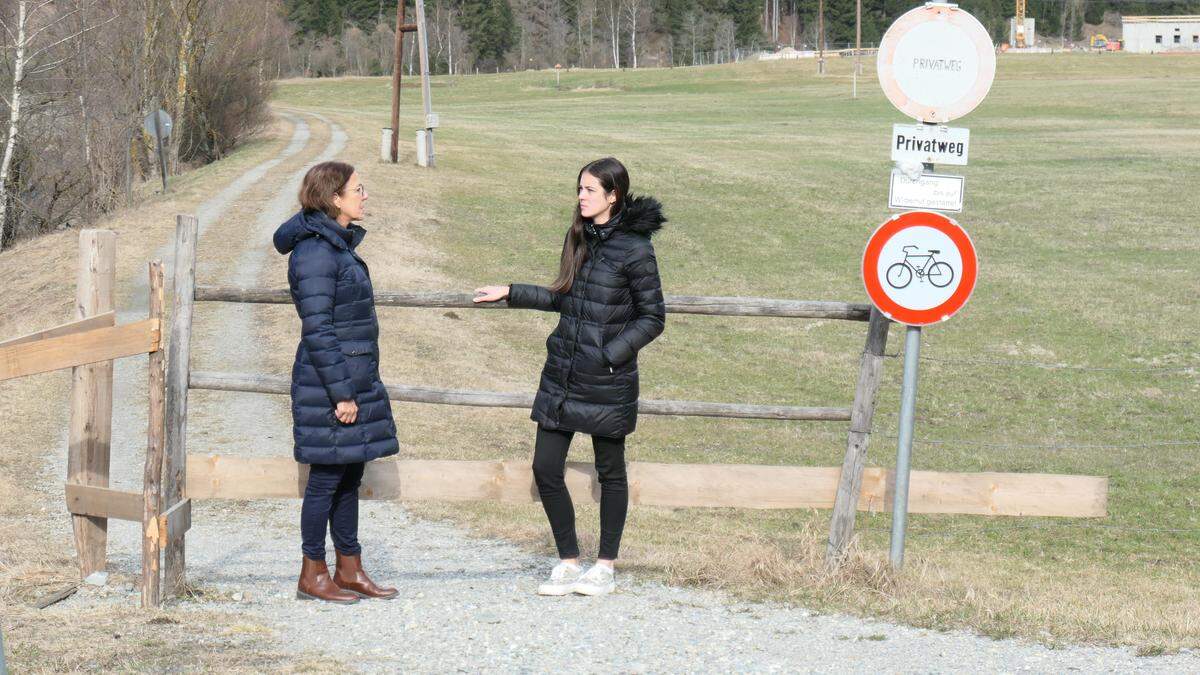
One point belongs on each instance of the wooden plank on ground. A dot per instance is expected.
(100, 502)
(56, 597)
(693, 485)
(68, 351)
(104, 320)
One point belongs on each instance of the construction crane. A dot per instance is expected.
(1019, 29)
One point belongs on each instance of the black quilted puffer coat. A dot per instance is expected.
(614, 308)
(338, 355)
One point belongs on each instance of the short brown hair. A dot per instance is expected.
(321, 184)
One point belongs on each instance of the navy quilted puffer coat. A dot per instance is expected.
(614, 308)
(338, 355)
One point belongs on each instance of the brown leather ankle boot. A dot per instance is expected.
(315, 584)
(351, 577)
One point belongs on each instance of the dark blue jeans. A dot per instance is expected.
(331, 497)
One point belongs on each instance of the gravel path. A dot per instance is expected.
(466, 603)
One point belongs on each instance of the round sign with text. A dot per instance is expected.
(919, 268)
(936, 63)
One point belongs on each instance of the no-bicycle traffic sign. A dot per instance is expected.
(919, 268)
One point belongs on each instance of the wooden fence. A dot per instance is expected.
(88, 346)
(172, 478)
(846, 489)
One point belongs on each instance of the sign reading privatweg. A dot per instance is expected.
(936, 63)
(932, 191)
(930, 144)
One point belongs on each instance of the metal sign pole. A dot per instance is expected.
(908, 404)
(3, 668)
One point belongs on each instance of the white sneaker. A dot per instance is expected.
(599, 580)
(562, 579)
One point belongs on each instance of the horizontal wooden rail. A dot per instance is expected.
(98, 502)
(677, 485)
(104, 320)
(89, 500)
(275, 384)
(676, 304)
(78, 349)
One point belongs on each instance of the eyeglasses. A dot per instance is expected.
(360, 190)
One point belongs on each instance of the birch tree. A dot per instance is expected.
(35, 44)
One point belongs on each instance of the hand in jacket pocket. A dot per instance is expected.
(346, 412)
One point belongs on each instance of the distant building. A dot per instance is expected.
(1030, 35)
(1149, 34)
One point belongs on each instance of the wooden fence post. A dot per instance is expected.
(845, 505)
(152, 478)
(178, 372)
(91, 396)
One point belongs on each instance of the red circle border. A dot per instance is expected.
(892, 227)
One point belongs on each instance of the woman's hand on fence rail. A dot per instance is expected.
(346, 412)
(491, 293)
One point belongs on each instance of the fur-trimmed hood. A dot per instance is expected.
(641, 215)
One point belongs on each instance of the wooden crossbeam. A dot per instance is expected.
(104, 320)
(675, 304)
(89, 500)
(78, 349)
(678, 485)
(175, 522)
(277, 384)
(98, 502)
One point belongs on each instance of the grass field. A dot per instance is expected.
(1081, 199)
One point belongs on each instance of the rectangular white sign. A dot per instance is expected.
(930, 143)
(932, 191)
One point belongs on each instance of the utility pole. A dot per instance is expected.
(820, 37)
(857, 46)
(425, 150)
(401, 29)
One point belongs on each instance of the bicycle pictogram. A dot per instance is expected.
(921, 265)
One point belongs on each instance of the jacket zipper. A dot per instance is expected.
(578, 326)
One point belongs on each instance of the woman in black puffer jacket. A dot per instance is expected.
(340, 410)
(610, 302)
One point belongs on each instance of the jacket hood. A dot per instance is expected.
(305, 224)
(642, 215)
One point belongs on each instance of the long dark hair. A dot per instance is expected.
(613, 177)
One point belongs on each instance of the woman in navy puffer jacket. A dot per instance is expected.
(340, 410)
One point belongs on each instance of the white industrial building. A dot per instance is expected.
(1149, 34)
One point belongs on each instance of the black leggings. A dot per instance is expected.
(549, 465)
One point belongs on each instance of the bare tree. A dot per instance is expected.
(612, 16)
(693, 23)
(186, 13)
(723, 39)
(37, 50)
(633, 15)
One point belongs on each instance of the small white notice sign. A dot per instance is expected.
(932, 191)
(930, 143)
